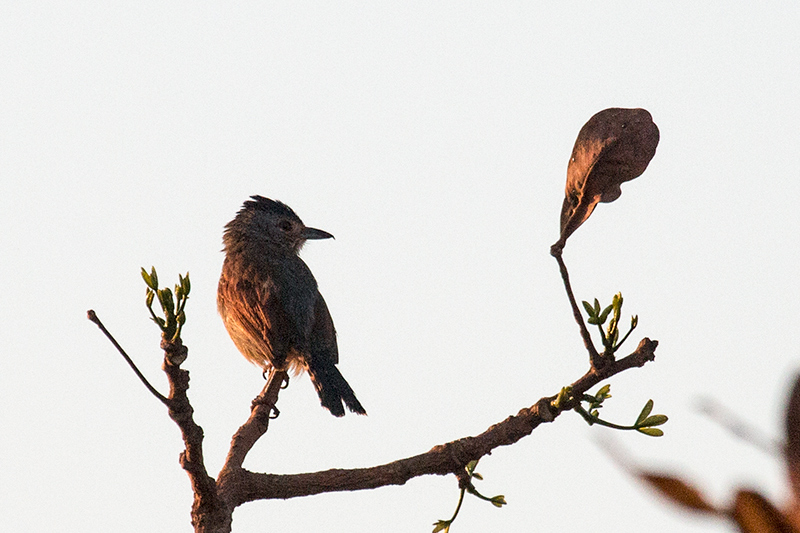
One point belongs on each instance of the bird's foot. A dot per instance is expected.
(261, 399)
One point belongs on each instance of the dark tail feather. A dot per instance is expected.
(333, 389)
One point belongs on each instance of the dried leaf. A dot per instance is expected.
(678, 491)
(753, 513)
(613, 147)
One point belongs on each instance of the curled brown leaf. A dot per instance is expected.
(613, 147)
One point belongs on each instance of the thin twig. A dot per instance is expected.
(594, 357)
(91, 315)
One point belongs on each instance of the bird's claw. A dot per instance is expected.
(262, 400)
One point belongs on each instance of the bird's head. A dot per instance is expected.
(272, 224)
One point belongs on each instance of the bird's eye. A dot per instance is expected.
(285, 225)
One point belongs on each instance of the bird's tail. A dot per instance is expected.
(333, 389)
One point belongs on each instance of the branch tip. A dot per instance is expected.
(91, 315)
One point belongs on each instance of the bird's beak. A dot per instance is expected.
(314, 233)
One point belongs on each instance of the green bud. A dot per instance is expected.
(186, 284)
(165, 298)
(499, 500)
(151, 280)
(146, 277)
(617, 301)
(441, 525)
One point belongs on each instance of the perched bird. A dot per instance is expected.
(613, 147)
(270, 303)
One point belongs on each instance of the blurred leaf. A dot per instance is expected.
(586, 305)
(753, 513)
(792, 421)
(678, 491)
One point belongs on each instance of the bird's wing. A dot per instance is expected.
(295, 294)
(323, 334)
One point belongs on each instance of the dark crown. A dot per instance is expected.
(259, 203)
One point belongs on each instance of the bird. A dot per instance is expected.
(613, 147)
(270, 303)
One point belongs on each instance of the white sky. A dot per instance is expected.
(433, 142)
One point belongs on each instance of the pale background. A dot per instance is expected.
(433, 141)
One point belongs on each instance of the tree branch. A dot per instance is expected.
(239, 486)
(260, 414)
(215, 500)
(210, 513)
